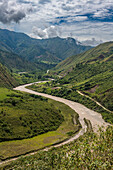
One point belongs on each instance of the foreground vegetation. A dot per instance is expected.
(37, 121)
(90, 151)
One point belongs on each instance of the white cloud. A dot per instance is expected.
(39, 32)
(49, 32)
(47, 18)
(11, 11)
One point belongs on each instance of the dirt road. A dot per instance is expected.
(82, 94)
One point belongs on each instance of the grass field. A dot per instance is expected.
(4, 92)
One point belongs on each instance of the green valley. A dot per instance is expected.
(50, 51)
(70, 92)
(30, 122)
(21, 53)
(56, 85)
(91, 73)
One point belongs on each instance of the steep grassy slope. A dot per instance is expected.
(17, 64)
(21, 70)
(96, 81)
(101, 53)
(6, 79)
(13, 61)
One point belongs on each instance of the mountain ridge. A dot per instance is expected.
(52, 50)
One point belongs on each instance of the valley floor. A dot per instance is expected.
(94, 117)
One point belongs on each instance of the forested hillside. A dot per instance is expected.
(63, 47)
(13, 61)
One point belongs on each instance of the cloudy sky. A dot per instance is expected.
(81, 19)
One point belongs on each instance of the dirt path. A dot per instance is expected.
(94, 101)
(94, 117)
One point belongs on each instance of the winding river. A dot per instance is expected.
(94, 117)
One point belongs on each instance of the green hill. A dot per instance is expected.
(13, 61)
(29, 122)
(101, 53)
